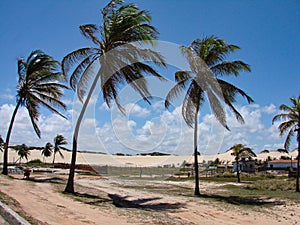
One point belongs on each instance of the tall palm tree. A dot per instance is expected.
(23, 152)
(47, 151)
(207, 63)
(38, 85)
(119, 58)
(239, 151)
(291, 126)
(59, 141)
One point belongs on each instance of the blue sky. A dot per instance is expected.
(267, 32)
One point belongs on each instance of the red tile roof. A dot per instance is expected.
(283, 161)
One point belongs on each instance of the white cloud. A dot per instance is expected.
(136, 110)
(158, 106)
(271, 109)
(23, 132)
(166, 132)
(104, 107)
(7, 96)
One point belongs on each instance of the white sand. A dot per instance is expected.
(113, 160)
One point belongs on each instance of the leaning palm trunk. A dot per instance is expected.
(122, 24)
(5, 154)
(197, 190)
(70, 185)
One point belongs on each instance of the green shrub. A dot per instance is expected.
(35, 161)
(273, 185)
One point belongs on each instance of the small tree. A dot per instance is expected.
(47, 151)
(59, 141)
(239, 151)
(265, 151)
(23, 152)
(216, 162)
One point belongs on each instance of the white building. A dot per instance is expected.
(282, 164)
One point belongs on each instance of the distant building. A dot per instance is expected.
(225, 166)
(245, 166)
(282, 164)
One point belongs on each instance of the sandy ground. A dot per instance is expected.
(44, 203)
(142, 202)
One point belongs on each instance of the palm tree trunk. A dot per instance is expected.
(5, 154)
(53, 159)
(298, 159)
(70, 185)
(197, 189)
(238, 170)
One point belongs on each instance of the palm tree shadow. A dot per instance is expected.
(92, 199)
(55, 180)
(237, 200)
(123, 202)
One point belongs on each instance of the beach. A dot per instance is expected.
(101, 200)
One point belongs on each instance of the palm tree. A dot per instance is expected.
(47, 151)
(291, 126)
(38, 85)
(239, 151)
(120, 60)
(59, 141)
(207, 62)
(23, 151)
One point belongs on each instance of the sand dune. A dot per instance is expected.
(151, 161)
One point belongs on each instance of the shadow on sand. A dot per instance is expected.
(55, 180)
(92, 199)
(122, 201)
(237, 200)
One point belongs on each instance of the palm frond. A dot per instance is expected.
(286, 126)
(76, 56)
(174, 93)
(229, 93)
(217, 108)
(182, 77)
(34, 116)
(281, 116)
(288, 139)
(50, 103)
(228, 68)
(84, 80)
(192, 102)
(284, 107)
(88, 31)
(21, 68)
(212, 49)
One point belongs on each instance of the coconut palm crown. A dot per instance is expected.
(208, 64)
(22, 151)
(39, 85)
(47, 150)
(59, 142)
(119, 54)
